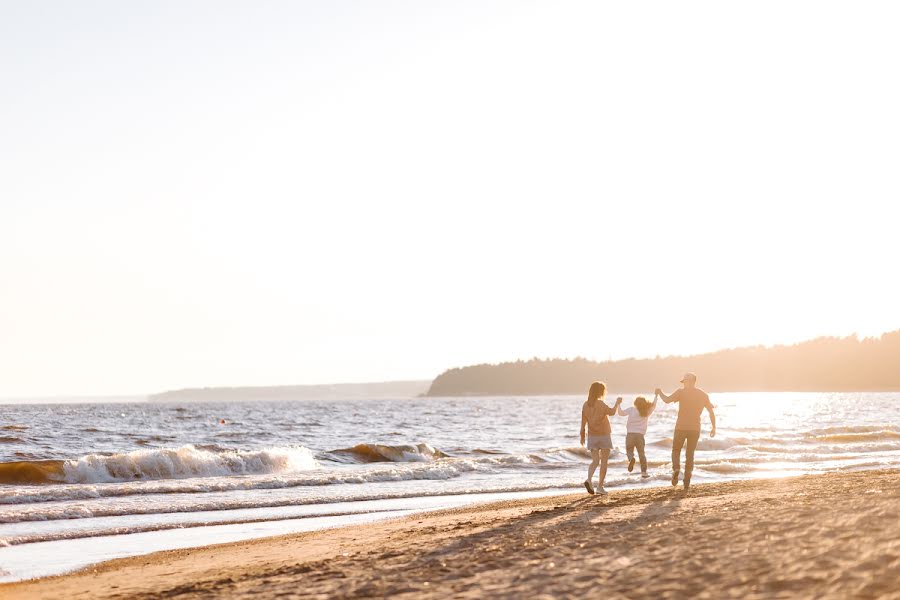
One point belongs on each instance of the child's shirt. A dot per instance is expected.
(636, 423)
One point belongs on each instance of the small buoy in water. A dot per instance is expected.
(222, 422)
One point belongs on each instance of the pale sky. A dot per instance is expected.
(223, 193)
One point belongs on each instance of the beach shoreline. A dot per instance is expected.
(828, 535)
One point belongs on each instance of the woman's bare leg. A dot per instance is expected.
(595, 460)
(604, 462)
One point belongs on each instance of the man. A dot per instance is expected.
(691, 402)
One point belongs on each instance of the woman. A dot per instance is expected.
(595, 414)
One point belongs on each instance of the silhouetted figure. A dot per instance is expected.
(636, 426)
(691, 402)
(595, 414)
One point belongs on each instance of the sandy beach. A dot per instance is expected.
(833, 535)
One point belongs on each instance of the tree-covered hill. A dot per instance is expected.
(823, 364)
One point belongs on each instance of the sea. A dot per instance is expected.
(83, 482)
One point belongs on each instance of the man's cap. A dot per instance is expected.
(689, 376)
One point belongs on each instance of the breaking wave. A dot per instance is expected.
(163, 463)
(31, 472)
(28, 499)
(369, 453)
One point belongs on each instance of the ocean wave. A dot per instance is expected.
(153, 440)
(721, 443)
(518, 459)
(579, 452)
(852, 429)
(878, 435)
(412, 453)
(162, 463)
(726, 467)
(369, 453)
(842, 448)
(31, 472)
(53, 512)
(14, 427)
(29, 502)
(74, 534)
(8, 439)
(781, 457)
(101, 507)
(436, 470)
(573, 454)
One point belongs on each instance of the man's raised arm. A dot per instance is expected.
(667, 399)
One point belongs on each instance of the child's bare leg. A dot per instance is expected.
(641, 454)
(604, 462)
(595, 460)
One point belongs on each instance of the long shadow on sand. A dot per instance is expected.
(571, 538)
(577, 523)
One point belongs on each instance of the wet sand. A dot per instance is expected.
(824, 536)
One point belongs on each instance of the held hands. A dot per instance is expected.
(657, 392)
(619, 400)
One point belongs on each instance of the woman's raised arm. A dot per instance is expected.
(611, 411)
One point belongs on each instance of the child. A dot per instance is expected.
(595, 415)
(636, 427)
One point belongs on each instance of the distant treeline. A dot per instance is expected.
(338, 391)
(824, 364)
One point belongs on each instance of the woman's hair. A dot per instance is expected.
(642, 406)
(597, 391)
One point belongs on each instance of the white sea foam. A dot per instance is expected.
(274, 496)
(185, 462)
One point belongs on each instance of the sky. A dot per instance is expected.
(217, 193)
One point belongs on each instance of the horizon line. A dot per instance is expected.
(70, 397)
